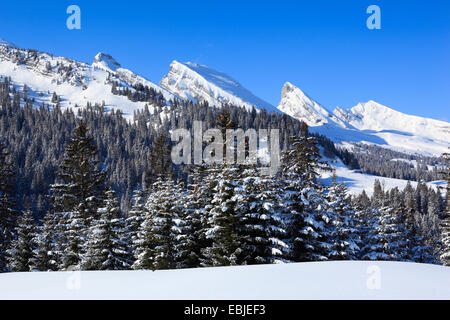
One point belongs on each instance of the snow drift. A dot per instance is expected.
(312, 280)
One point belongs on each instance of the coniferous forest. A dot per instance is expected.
(88, 190)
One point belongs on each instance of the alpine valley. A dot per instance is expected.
(88, 181)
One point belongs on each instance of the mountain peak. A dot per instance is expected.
(298, 105)
(106, 62)
(7, 43)
(200, 83)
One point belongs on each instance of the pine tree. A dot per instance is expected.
(393, 234)
(261, 226)
(7, 212)
(225, 249)
(75, 236)
(108, 241)
(303, 200)
(77, 196)
(135, 215)
(144, 245)
(346, 240)
(370, 231)
(224, 121)
(445, 224)
(160, 162)
(20, 253)
(44, 256)
(155, 244)
(82, 182)
(194, 219)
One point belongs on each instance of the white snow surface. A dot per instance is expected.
(369, 122)
(311, 280)
(356, 181)
(199, 83)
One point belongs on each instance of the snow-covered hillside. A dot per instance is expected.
(356, 181)
(199, 83)
(368, 122)
(75, 82)
(312, 280)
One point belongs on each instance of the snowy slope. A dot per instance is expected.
(200, 83)
(368, 122)
(312, 280)
(75, 82)
(356, 181)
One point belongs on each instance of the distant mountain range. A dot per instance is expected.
(369, 122)
(77, 83)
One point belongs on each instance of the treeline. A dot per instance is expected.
(223, 215)
(383, 162)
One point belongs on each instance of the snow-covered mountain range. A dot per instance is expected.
(369, 122)
(77, 83)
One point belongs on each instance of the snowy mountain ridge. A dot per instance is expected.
(369, 122)
(199, 83)
(105, 62)
(77, 83)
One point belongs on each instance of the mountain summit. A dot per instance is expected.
(297, 104)
(105, 62)
(199, 83)
(7, 43)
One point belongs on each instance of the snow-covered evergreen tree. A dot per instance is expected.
(445, 224)
(193, 222)
(20, 252)
(303, 202)
(445, 236)
(261, 226)
(76, 197)
(372, 247)
(346, 240)
(223, 222)
(108, 241)
(155, 244)
(393, 234)
(144, 245)
(44, 258)
(135, 215)
(81, 181)
(8, 214)
(385, 236)
(75, 237)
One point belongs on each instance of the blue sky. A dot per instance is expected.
(323, 47)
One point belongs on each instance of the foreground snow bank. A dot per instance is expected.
(314, 280)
